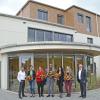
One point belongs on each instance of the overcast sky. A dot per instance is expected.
(13, 6)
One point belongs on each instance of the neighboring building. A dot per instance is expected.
(41, 34)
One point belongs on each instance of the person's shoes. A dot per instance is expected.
(80, 96)
(68, 95)
(60, 96)
(52, 95)
(84, 97)
(24, 96)
(39, 95)
(42, 95)
(20, 97)
(31, 96)
(48, 95)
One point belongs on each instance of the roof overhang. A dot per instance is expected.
(73, 48)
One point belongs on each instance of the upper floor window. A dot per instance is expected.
(44, 35)
(48, 36)
(31, 35)
(60, 19)
(42, 14)
(80, 18)
(88, 24)
(39, 35)
(63, 37)
(90, 40)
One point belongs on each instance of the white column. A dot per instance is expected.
(4, 71)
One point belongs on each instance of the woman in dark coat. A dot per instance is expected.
(60, 80)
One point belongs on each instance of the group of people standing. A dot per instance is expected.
(49, 77)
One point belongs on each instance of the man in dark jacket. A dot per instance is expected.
(82, 79)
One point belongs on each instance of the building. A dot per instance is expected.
(41, 34)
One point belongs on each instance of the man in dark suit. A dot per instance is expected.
(82, 79)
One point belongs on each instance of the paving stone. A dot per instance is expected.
(91, 95)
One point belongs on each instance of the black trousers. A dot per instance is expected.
(83, 88)
(21, 88)
(40, 88)
(60, 86)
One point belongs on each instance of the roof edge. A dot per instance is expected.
(36, 20)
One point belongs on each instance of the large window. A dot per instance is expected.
(42, 14)
(63, 37)
(60, 19)
(43, 35)
(31, 35)
(80, 18)
(39, 35)
(48, 36)
(88, 24)
(69, 38)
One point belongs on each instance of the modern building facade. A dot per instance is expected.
(40, 35)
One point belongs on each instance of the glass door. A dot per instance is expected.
(68, 61)
(13, 71)
(25, 60)
(55, 60)
(40, 60)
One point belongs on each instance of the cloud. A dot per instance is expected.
(11, 6)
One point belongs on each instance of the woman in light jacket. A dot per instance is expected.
(68, 80)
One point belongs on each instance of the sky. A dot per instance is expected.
(13, 6)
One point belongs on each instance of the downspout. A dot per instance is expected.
(97, 24)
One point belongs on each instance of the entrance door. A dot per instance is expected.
(55, 60)
(13, 71)
(40, 60)
(25, 60)
(68, 61)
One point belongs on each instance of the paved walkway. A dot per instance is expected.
(91, 95)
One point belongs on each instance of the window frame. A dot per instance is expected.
(88, 24)
(80, 18)
(60, 19)
(43, 12)
(89, 40)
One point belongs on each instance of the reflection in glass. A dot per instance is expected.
(13, 70)
(40, 60)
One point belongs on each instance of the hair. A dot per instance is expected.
(68, 69)
(61, 69)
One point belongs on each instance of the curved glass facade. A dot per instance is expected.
(44, 59)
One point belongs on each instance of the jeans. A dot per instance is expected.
(32, 86)
(50, 82)
(21, 88)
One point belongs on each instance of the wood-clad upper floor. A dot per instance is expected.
(82, 20)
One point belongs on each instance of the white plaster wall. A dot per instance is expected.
(82, 38)
(14, 31)
(4, 71)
